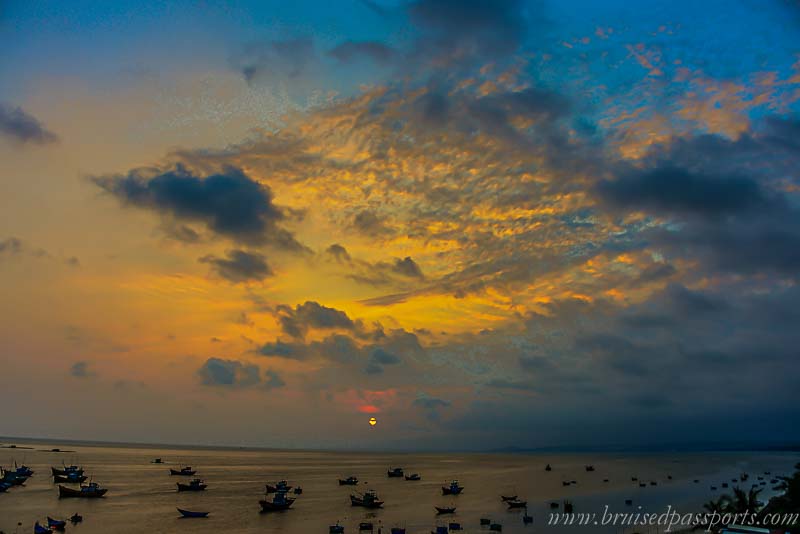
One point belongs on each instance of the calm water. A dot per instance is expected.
(142, 496)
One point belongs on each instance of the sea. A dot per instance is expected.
(142, 495)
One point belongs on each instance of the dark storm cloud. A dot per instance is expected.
(272, 380)
(354, 50)
(430, 405)
(281, 349)
(22, 127)
(230, 203)
(239, 266)
(669, 190)
(296, 321)
(407, 267)
(229, 373)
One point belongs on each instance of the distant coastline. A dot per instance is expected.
(7, 441)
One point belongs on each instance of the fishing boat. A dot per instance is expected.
(548, 468)
(439, 530)
(72, 478)
(506, 498)
(565, 483)
(452, 489)
(516, 504)
(396, 472)
(39, 529)
(485, 521)
(398, 530)
(76, 518)
(195, 484)
(527, 519)
(445, 509)
(157, 461)
(4, 487)
(368, 499)
(22, 470)
(91, 491)
(349, 481)
(189, 513)
(554, 505)
(454, 526)
(496, 527)
(281, 485)
(56, 524)
(336, 529)
(298, 490)
(589, 468)
(11, 478)
(279, 502)
(413, 476)
(67, 469)
(366, 527)
(185, 471)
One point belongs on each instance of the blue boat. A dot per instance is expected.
(39, 529)
(189, 513)
(56, 524)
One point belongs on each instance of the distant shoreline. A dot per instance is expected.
(6, 441)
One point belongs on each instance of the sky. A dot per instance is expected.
(484, 223)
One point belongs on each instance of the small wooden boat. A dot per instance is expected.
(724, 484)
(634, 479)
(506, 498)
(642, 485)
(439, 530)
(445, 509)
(653, 483)
(336, 529)
(589, 468)
(298, 490)
(349, 481)
(454, 526)
(628, 502)
(527, 519)
(565, 483)
(398, 530)
(605, 480)
(485, 521)
(452, 489)
(92, 491)
(195, 485)
(157, 461)
(366, 527)
(190, 513)
(516, 504)
(69, 479)
(396, 472)
(548, 468)
(496, 527)
(185, 471)
(368, 499)
(279, 502)
(554, 505)
(39, 529)
(67, 470)
(22, 470)
(56, 524)
(76, 518)
(413, 476)
(281, 485)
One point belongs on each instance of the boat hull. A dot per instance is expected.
(191, 487)
(355, 501)
(61, 479)
(269, 506)
(64, 491)
(182, 473)
(189, 513)
(65, 472)
(451, 491)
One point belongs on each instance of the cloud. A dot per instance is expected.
(296, 321)
(229, 373)
(368, 223)
(669, 190)
(353, 50)
(11, 245)
(80, 370)
(229, 203)
(407, 267)
(431, 405)
(276, 60)
(338, 252)
(22, 127)
(272, 380)
(239, 266)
